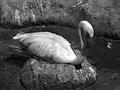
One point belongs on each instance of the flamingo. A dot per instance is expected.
(53, 46)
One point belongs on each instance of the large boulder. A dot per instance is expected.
(39, 75)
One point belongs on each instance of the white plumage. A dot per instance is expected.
(50, 45)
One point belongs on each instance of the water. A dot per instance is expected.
(106, 55)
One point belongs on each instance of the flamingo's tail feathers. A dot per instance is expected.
(17, 50)
(19, 35)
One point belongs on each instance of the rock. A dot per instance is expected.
(44, 76)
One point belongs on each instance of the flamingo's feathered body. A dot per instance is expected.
(46, 44)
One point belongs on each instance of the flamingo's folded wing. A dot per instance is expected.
(55, 46)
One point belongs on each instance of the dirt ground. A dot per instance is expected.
(106, 60)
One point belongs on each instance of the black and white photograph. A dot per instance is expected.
(59, 45)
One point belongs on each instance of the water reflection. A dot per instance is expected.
(106, 52)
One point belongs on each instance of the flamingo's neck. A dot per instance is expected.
(80, 36)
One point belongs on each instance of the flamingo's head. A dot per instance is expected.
(79, 58)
